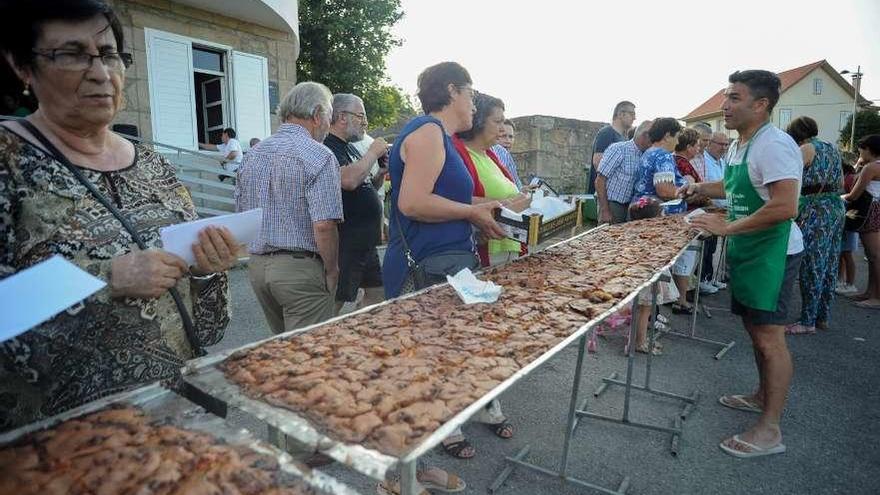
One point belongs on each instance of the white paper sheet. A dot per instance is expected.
(40, 292)
(179, 239)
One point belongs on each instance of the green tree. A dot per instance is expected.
(867, 123)
(343, 44)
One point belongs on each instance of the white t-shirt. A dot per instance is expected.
(773, 156)
(230, 146)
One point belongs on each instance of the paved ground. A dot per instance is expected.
(831, 423)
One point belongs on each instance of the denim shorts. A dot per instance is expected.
(785, 305)
(850, 241)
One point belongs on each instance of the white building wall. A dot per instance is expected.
(826, 109)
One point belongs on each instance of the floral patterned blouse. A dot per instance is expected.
(106, 345)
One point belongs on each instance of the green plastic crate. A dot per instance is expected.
(588, 207)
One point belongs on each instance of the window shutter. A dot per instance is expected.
(250, 82)
(172, 98)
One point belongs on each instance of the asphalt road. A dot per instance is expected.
(831, 424)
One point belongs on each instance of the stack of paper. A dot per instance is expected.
(179, 239)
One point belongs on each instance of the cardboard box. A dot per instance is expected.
(532, 229)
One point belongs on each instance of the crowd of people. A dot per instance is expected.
(70, 186)
(660, 156)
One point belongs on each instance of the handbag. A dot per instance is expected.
(189, 329)
(857, 212)
(433, 269)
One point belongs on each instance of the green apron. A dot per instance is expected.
(756, 260)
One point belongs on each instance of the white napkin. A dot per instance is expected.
(472, 290)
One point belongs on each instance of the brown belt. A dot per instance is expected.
(295, 253)
(815, 189)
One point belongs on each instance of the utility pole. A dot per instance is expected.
(857, 82)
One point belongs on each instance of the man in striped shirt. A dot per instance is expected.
(295, 180)
(617, 175)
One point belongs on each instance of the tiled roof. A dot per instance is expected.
(788, 79)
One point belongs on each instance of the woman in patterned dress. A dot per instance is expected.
(820, 217)
(69, 53)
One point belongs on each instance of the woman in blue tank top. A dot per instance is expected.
(432, 218)
(431, 214)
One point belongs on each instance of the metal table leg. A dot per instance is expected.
(408, 482)
(692, 335)
(629, 386)
(518, 460)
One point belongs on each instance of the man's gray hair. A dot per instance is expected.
(643, 128)
(703, 128)
(343, 102)
(304, 100)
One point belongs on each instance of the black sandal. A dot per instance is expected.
(499, 429)
(455, 449)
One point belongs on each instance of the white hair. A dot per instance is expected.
(304, 101)
(703, 128)
(343, 102)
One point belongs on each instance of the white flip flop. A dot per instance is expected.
(739, 403)
(755, 450)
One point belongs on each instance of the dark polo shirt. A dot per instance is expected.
(362, 209)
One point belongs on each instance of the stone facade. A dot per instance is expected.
(280, 48)
(555, 149)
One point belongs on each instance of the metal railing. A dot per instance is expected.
(199, 172)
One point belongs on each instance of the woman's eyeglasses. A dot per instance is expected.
(81, 61)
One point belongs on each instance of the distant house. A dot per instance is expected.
(202, 65)
(816, 90)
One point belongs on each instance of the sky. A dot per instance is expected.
(576, 59)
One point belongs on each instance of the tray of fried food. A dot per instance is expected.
(148, 442)
(388, 377)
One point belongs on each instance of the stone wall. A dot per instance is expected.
(555, 149)
(280, 48)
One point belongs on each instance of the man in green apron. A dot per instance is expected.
(762, 185)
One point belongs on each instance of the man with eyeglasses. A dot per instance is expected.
(713, 164)
(359, 267)
(621, 122)
(697, 162)
(713, 158)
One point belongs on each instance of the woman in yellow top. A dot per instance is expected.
(492, 180)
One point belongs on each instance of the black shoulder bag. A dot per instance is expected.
(188, 326)
(434, 268)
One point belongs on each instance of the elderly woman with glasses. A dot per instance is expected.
(71, 187)
(492, 180)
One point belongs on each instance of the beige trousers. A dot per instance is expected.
(292, 291)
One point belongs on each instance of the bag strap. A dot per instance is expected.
(410, 260)
(188, 326)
